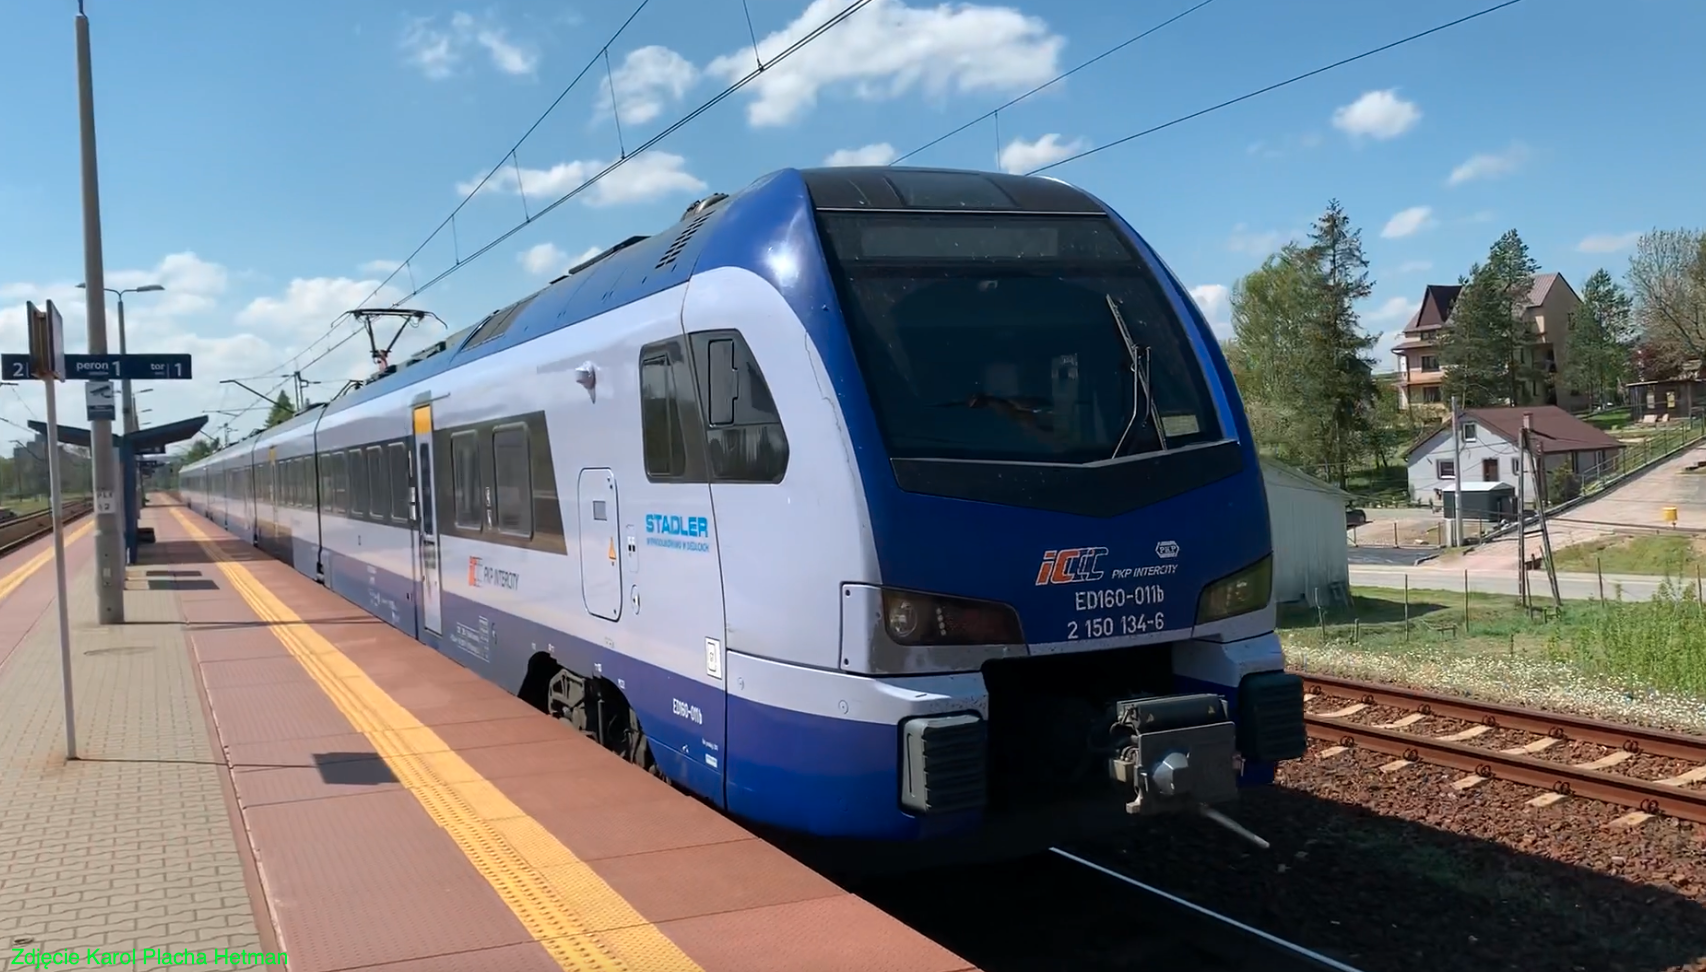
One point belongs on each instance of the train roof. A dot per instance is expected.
(641, 266)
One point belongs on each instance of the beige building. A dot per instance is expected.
(1550, 304)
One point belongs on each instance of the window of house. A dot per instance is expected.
(465, 480)
(399, 482)
(1447, 468)
(1516, 465)
(512, 481)
(1650, 398)
(1468, 431)
(1430, 362)
(1430, 395)
(378, 490)
(1670, 399)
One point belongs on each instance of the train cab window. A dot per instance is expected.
(512, 481)
(357, 483)
(378, 490)
(465, 481)
(744, 439)
(671, 430)
(399, 454)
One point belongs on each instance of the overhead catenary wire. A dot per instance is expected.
(1275, 86)
(851, 8)
(996, 112)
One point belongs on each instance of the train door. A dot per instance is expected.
(601, 566)
(426, 525)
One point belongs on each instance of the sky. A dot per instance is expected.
(272, 165)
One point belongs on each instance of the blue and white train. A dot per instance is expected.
(906, 507)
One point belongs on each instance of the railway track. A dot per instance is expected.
(20, 530)
(1065, 909)
(1525, 764)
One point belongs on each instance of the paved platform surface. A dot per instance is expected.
(394, 810)
(132, 846)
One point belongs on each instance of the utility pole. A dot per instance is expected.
(1522, 518)
(1457, 467)
(1539, 458)
(109, 541)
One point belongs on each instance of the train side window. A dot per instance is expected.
(399, 454)
(660, 423)
(512, 476)
(357, 483)
(744, 438)
(340, 483)
(465, 480)
(378, 489)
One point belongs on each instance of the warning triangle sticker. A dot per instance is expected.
(612, 549)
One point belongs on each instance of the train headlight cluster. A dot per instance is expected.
(1247, 590)
(912, 618)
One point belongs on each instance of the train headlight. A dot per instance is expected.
(912, 618)
(1247, 590)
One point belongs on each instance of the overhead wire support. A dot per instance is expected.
(852, 8)
(1276, 86)
(996, 112)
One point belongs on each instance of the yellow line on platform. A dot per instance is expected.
(16, 578)
(562, 902)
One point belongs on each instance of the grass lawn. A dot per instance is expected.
(1673, 556)
(1658, 644)
(1611, 418)
(1379, 487)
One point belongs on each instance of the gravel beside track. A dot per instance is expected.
(1399, 872)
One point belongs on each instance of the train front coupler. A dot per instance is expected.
(1177, 753)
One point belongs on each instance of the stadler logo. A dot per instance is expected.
(1167, 549)
(482, 575)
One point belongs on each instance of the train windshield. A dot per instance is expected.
(1016, 338)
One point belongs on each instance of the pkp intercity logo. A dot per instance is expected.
(1074, 565)
(1167, 549)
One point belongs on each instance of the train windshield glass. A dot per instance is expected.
(1004, 337)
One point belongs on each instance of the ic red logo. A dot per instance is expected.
(1076, 565)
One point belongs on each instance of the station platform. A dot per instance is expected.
(268, 777)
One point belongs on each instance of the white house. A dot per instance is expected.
(1488, 450)
(1307, 517)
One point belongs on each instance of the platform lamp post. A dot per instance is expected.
(129, 400)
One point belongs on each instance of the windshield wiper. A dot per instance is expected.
(1139, 355)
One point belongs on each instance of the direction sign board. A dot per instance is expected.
(98, 397)
(47, 344)
(151, 450)
(92, 367)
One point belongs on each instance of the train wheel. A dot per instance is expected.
(639, 750)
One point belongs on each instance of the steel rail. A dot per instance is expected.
(1562, 778)
(37, 525)
(1558, 725)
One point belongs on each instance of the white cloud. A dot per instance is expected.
(380, 266)
(1607, 242)
(1021, 156)
(888, 49)
(1257, 244)
(546, 260)
(649, 78)
(542, 258)
(1408, 222)
(1490, 165)
(880, 153)
(1215, 302)
(437, 51)
(310, 305)
(1415, 266)
(643, 178)
(1393, 309)
(1377, 114)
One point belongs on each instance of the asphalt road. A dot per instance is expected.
(1572, 587)
(1388, 556)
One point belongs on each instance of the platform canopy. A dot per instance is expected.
(140, 441)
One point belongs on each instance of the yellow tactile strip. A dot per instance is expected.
(582, 922)
(27, 569)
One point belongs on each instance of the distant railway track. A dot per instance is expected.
(18, 531)
(1671, 796)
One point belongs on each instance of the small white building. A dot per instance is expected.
(1307, 517)
(1488, 452)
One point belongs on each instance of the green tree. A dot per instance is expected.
(1486, 351)
(201, 449)
(282, 410)
(1338, 376)
(1667, 279)
(1602, 338)
(1270, 307)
